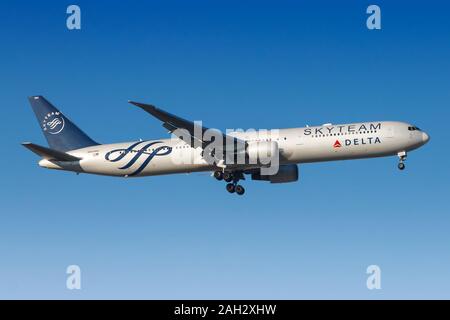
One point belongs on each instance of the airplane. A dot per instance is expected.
(70, 149)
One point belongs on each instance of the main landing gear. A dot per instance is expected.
(402, 158)
(232, 178)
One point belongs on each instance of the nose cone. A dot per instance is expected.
(425, 137)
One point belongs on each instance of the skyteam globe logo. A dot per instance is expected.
(53, 123)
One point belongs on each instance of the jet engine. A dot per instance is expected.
(262, 150)
(286, 173)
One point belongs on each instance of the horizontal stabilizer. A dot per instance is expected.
(49, 154)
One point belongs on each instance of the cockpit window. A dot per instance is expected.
(413, 129)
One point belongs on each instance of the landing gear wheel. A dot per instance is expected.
(239, 189)
(402, 157)
(230, 187)
(227, 176)
(218, 175)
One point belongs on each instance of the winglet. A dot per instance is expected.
(143, 105)
(162, 115)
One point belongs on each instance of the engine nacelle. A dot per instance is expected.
(262, 150)
(286, 173)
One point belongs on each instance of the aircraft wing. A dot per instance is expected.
(173, 123)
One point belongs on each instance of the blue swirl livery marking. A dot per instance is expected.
(142, 152)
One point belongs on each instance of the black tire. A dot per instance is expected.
(227, 176)
(401, 166)
(239, 189)
(218, 175)
(230, 187)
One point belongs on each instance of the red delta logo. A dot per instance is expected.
(337, 144)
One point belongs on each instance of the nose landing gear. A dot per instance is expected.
(232, 178)
(402, 158)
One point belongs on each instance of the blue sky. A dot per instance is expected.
(232, 64)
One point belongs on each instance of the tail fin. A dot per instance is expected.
(61, 133)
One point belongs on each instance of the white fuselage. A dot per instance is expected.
(296, 145)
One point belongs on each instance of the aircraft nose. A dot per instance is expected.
(425, 137)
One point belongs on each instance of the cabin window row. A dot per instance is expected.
(342, 134)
